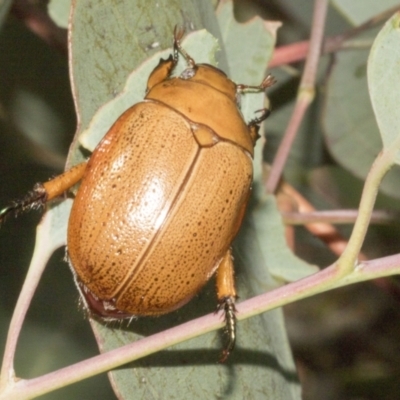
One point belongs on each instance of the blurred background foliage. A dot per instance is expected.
(345, 342)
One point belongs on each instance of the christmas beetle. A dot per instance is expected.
(162, 196)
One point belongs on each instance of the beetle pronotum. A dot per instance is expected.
(162, 196)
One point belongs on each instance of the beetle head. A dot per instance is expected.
(211, 76)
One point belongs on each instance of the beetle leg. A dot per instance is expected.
(265, 112)
(226, 293)
(178, 35)
(268, 81)
(165, 67)
(44, 192)
(254, 124)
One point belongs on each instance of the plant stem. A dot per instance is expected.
(339, 217)
(317, 283)
(298, 51)
(36, 268)
(305, 94)
(348, 260)
(47, 241)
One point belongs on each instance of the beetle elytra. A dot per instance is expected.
(162, 196)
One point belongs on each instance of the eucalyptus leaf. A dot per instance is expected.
(262, 362)
(248, 64)
(135, 87)
(359, 11)
(384, 82)
(59, 12)
(351, 132)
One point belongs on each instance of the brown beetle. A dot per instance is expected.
(162, 196)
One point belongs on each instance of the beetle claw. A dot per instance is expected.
(265, 112)
(228, 305)
(6, 211)
(268, 81)
(179, 31)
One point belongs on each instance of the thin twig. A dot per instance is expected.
(326, 232)
(305, 94)
(317, 283)
(339, 217)
(298, 51)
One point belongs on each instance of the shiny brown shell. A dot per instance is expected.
(162, 197)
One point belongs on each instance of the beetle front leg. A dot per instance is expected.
(44, 192)
(268, 81)
(226, 294)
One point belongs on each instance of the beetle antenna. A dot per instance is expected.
(228, 304)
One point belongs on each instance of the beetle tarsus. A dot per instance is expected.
(268, 81)
(265, 112)
(33, 200)
(178, 34)
(228, 305)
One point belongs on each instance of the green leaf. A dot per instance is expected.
(59, 12)
(249, 47)
(135, 87)
(351, 131)
(247, 64)
(262, 362)
(359, 11)
(109, 40)
(384, 82)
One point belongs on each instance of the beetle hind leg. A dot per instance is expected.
(226, 293)
(44, 192)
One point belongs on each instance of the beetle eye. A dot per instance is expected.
(188, 73)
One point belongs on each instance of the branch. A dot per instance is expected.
(305, 94)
